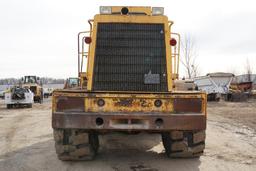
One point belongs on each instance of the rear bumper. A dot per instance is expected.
(128, 121)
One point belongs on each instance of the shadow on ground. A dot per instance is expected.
(118, 152)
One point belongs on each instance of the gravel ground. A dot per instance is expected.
(26, 143)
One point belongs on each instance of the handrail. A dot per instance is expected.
(170, 24)
(82, 60)
(78, 44)
(90, 23)
(78, 49)
(176, 53)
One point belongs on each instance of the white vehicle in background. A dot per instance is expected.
(214, 84)
(2, 94)
(19, 97)
(47, 92)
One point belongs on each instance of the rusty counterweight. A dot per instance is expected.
(111, 111)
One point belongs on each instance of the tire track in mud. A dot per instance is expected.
(232, 141)
(246, 133)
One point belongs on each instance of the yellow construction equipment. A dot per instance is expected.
(127, 64)
(33, 83)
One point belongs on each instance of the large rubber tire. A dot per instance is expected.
(75, 144)
(179, 144)
(40, 100)
(9, 106)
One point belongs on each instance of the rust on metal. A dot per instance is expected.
(137, 102)
(129, 121)
(182, 105)
(144, 103)
(127, 102)
(65, 104)
(132, 111)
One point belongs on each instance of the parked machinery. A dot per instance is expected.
(132, 62)
(214, 84)
(2, 92)
(33, 83)
(185, 85)
(72, 82)
(19, 97)
(47, 92)
(239, 91)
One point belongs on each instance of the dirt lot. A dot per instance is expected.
(26, 143)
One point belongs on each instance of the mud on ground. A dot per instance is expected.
(26, 143)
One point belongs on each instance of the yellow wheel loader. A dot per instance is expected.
(127, 64)
(34, 84)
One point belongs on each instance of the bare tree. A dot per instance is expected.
(248, 70)
(189, 55)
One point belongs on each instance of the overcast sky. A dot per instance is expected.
(39, 37)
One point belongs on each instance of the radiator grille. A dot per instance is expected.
(130, 57)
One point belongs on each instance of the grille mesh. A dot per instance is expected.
(125, 53)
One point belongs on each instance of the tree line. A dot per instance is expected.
(44, 80)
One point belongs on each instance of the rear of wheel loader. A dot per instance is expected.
(131, 64)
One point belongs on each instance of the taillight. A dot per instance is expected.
(70, 104)
(87, 40)
(173, 42)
